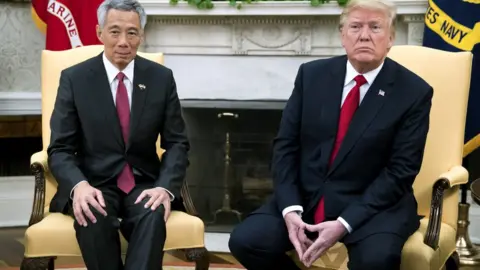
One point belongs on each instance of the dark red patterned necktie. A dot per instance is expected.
(347, 111)
(125, 180)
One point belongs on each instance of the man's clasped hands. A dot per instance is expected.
(308, 251)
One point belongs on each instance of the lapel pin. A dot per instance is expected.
(381, 93)
(142, 86)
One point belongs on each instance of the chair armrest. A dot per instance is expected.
(41, 159)
(38, 165)
(456, 176)
(187, 199)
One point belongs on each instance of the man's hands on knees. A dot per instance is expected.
(296, 232)
(85, 196)
(158, 196)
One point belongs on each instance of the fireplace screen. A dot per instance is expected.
(229, 174)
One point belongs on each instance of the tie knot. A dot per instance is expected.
(120, 76)
(360, 80)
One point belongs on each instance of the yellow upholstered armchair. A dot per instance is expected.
(52, 235)
(436, 188)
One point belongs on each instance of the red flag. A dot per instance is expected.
(67, 23)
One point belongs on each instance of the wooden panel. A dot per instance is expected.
(20, 126)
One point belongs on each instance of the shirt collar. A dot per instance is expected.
(112, 70)
(369, 76)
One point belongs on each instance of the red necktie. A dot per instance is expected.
(125, 180)
(347, 111)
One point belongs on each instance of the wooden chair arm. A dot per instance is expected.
(454, 177)
(38, 165)
(184, 192)
(187, 199)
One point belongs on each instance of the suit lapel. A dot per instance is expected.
(331, 99)
(139, 96)
(103, 99)
(366, 112)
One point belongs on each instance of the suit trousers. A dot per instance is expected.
(143, 228)
(261, 241)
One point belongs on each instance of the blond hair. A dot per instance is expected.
(384, 6)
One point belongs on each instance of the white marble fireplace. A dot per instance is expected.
(252, 53)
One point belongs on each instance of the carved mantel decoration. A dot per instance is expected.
(262, 28)
(223, 53)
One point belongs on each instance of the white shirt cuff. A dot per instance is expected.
(171, 194)
(71, 191)
(296, 208)
(349, 229)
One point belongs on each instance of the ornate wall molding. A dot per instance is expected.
(415, 28)
(20, 46)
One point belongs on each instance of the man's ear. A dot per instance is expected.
(391, 39)
(142, 36)
(99, 32)
(341, 37)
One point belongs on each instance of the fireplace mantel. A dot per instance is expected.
(253, 53)
(223, 54)
(267, 8)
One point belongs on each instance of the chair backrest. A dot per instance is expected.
(449, 74)
(53, 62)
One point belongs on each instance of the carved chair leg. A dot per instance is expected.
(199, 256)
(40, 263)
(51, 264)
(453, 263)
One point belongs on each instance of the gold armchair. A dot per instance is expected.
(52, 235)
(436, 188)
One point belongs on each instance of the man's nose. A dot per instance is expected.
(365, 33)
(122, 40)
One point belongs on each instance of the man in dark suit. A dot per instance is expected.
(108, 115)
(349, 147)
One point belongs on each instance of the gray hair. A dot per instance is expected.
(124, 5)
(385, 6)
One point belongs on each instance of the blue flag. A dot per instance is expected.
(454, 25)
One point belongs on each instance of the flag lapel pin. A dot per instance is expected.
(142, 86)
(381, 93)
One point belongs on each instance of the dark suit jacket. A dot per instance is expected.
(370, 182)
(86, 140)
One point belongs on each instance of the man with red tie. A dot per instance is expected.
(348, 149)
(108, 114)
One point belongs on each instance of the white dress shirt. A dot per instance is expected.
(112, 72)
(351, 73)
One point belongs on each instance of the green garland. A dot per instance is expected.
(209, 4)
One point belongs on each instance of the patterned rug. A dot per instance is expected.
(170, 268)
(164, 268)
(179, 267)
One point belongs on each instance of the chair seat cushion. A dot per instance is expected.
(415, 255)
(55, 235)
